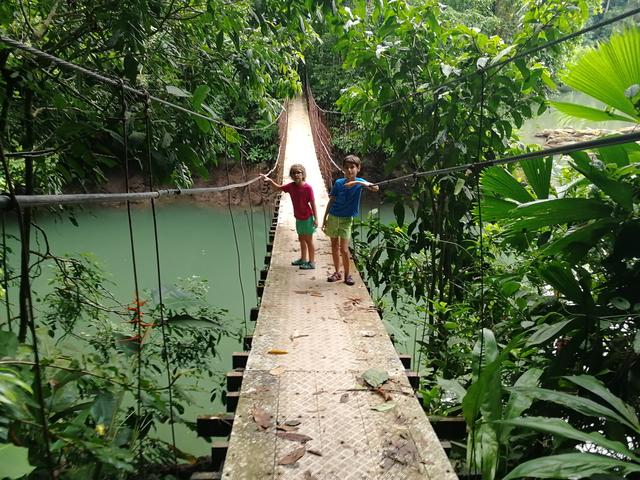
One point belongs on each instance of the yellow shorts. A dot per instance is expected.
(339, 227)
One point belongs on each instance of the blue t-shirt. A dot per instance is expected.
(346, 201)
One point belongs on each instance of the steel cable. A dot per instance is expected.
(163, 327)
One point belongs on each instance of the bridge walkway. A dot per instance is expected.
(331, 334)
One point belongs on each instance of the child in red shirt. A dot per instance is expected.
(304, 209)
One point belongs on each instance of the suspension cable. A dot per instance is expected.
(101, 77)
(250, 222)
(235, 238)
(5, 273)
(482, 346)
(573, 147)
(137, 303)
(163, 325)
(427, 316)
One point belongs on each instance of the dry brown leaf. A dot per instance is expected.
(316, 294)
(383, 393)
(261, 417)
(294, 437)
(286, 428)
(314, 452)
(277, 371)
(344, 398)
(277, 351)
(302, 292)
(293, 457)
(292, 423)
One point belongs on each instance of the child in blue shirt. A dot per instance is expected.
(344, 203)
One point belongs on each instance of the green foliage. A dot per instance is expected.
(609, 73)
(90, 390)
(558, 252)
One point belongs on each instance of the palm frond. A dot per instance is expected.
(606, 72)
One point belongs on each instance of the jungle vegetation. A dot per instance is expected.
(521, 280)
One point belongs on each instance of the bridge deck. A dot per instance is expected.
(332, 334)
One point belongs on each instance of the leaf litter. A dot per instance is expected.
(294, 437)
(261, 417)
(293, 456)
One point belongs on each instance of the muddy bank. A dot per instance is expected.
(563, 136)
(257, 193)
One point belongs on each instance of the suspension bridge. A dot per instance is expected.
(303, 408)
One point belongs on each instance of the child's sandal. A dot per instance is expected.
(349, 280)
(334, 277)
(308, 266)
(298, 262)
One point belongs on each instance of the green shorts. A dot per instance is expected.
(305, 227)
(339, 227)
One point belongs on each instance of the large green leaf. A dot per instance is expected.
(518, 402)
(498, 181)
(558, 426)
(538, 173)
(596, 387)
(580, 240)
(556, 211)
(618, 154)
(14, 461)
(547, 332)
(607, 72)
(560, 277)
(588, 113)
(619, 191)
(570, 466)
(581, 405)
(200, 95)
(494, 209)
(483, 451)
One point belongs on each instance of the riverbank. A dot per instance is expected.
(556, 137)
(255, 194)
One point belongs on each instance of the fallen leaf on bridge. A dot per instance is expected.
(383, 407)
(316, 294)
(383, 393)
(375, 377)
(294, 437)
(318, 453)
(292, 423)
(277, 371)
(261, 417)
(276, 351)
(344, 398)
(309, 476)
(367, 333)
(302, 292)
(293, 457)
(286, 428)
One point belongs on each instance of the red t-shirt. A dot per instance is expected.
(301, 197)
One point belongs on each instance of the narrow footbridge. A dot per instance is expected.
(303, 410)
